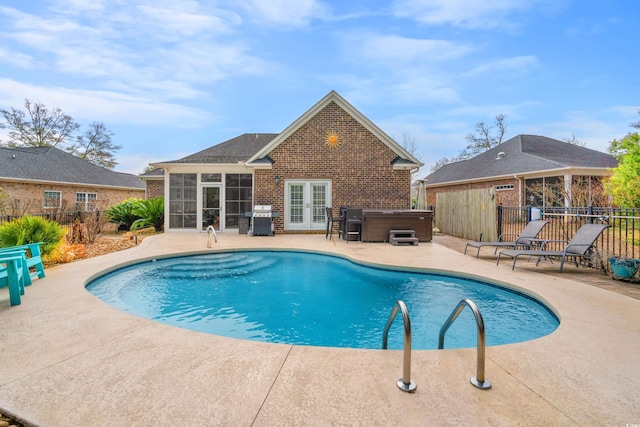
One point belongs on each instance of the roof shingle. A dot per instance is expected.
(522, 154)
(51, 164)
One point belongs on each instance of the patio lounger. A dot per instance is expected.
(32, 258)
(12, 276)
(524, 239)
(580, 246)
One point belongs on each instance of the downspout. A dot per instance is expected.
(520, 195)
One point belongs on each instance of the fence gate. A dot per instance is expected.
(467, 214)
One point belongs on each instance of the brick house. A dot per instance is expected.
(47, 179)
(528, 170)
(154, 183)
(331, 156)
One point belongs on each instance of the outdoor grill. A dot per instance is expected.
(262, 224)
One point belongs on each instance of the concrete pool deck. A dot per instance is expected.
(70, 359)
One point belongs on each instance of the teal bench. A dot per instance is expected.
(31, 259)
(12, 276)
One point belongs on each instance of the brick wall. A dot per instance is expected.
(22, 198)
(360, 169)
(155, 188)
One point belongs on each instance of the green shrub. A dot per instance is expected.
(151, 213)
(123, 213)
(31, 229)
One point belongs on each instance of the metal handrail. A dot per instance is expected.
(479, 381)
(404, 383)
(211, 232)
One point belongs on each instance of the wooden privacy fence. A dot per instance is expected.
(468, 214)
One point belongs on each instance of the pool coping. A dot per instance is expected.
(73, 360)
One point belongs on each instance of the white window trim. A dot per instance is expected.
(44, 204)
(86, 199)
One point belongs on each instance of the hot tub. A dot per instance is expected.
(378, 222)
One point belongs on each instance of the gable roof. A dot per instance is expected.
(153, 173)
(235, 150)
(523, 154)
(404, 159)
(50, 164)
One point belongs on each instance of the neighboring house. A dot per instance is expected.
(41, 179)
(528, 170)
(331, 156)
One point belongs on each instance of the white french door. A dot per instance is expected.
(305, 203)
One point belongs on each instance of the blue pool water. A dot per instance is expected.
(311, 299)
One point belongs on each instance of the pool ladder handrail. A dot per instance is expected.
(404, 383)
(211, 231)
(479, 380)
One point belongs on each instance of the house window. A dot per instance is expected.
(86, 201)
(211, 177)
(183, 200)
(545, 192)
(504, 187)
(52, 199)
(238, 197)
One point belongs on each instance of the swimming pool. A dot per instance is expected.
(312, 299)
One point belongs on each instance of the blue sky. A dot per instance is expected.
(170, 77)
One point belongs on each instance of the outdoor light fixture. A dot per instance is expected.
(277, 179)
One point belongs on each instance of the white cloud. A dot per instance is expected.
(518, 65)
(106, 106)
(461, 13)
(395, 51)
(15, 58)
(142, 49)
(290, 13)
(595, 128)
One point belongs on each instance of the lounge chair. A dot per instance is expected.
(581, 245)
(524, 239)
(12, 276)
(31, 258)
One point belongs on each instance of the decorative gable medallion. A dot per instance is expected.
(332, 139)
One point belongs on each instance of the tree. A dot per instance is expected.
(635, 124)
(573, 140)
(148, 169)
(483, 138)
(41, 127)
(443, 161)
(624, 184)
(409, 144)
(95, 146)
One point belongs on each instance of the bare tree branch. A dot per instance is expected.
(483, 139)
(95, 146)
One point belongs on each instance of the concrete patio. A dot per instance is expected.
(70, 360)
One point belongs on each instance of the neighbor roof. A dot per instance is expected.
(523, 154)
(50, 164)
(238, 149)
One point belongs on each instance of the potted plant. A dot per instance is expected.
(624, 268)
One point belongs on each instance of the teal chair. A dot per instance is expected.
(31, 258)
(12, 276)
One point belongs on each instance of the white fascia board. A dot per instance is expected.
(528, 175)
